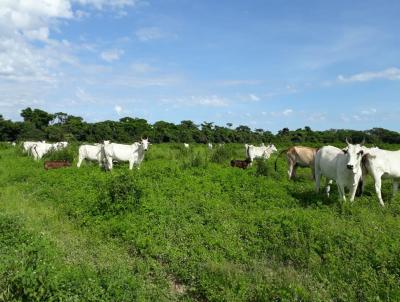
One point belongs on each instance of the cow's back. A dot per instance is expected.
(388, 162)
(120, 152)
(304, 156)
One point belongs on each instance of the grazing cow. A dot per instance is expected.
(382, 164)
(243, 164)
(27, 146)
(40, 149)
(265, 152)
(186, 145)
(210, 146)
(298, 156)
(55, 164)
(343, 166)
(91, 152)
(134, 153)
(60, 145)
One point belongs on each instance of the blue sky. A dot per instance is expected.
(266, 64)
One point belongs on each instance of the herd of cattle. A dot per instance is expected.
(348, 167)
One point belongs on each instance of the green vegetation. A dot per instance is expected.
(186, 226)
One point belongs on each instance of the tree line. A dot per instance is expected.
(41, 125)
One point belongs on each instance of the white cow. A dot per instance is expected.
(210, 146)
(91, 152)
(382, 164)
(186, 145)
(40, 149)
(26, 146)
(134, 153)
(343, 166)
(60, 145)
(265, 152)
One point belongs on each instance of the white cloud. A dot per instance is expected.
(118, 109)
(111, 55)
(370, 111)
(197, 101)
(146, 34)
(238, 82)
(287, 112)
(102, 4)
(317, 117)
(142, 68)
(253, 97)
(392, 73)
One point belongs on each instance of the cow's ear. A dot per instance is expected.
(345, 151)
(361, 152)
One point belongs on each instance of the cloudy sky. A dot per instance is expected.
(266, 64)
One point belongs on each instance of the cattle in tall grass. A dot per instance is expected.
(92, 153)
(186, 145)
(27, 146)
(298, 156)
(134, 154)
(210, 146)
(382, 164)
(253, 152)
(39, 149)
(341, 165)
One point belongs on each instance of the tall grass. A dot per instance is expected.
(186, 226)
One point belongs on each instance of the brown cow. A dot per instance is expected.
(299, 156)
(55, 164)
(243, 164)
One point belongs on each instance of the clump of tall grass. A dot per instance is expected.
(221, 154)
(67, 153)
(120, 194)
(195, 159)
(262, 168)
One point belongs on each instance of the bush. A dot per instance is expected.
(221, 155)
(262, 168)
(63, 154)
(195, 159)
(120, 194)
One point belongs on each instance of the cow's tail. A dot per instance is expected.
(276, 160)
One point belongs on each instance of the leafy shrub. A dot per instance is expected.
(262, 168)
(195, 159)
(221, 155)
(63, 154)
(120, 194)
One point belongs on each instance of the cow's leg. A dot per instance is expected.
(395, 187)
(130, 164)
(294, 175)
(317, 181)
(378, 186)
(353, 191)
(328, 187)
(109, 163)
(290, 168)
(79, 162)
(342, 193)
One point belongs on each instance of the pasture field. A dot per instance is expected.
(188, 227)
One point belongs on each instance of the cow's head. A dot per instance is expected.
(273, 148)
(145, 143)
(354, 155)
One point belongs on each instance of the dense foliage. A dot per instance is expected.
(186, 226)
(40, 125)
